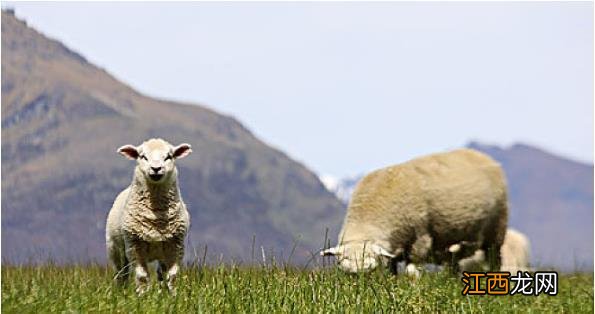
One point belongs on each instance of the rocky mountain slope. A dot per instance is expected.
(62, 121)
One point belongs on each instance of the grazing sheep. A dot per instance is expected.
(148, 221)
(417, 210)
(514, 251)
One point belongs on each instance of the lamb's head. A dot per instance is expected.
(155, 158)
(357, 257)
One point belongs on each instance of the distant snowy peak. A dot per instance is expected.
(330, 182)
(342, 188)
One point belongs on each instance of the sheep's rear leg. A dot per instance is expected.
(118, 259)
(123, 270)
(160, 268)
(161, 274)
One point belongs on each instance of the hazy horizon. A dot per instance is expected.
(349, 87)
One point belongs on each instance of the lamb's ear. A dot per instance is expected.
(182, 150)
(330, 251)
(129, 152)
(378, 250)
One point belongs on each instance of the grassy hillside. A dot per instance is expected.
(236, 289)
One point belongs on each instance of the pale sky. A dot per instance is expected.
(348, 87)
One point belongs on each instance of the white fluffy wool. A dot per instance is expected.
(416, 210)
(149, 220)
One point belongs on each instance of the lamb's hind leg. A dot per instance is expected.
(161, 269)
(117, 257)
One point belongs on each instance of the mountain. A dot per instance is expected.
(62, 121)
(551, 201)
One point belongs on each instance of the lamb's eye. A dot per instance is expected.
(168, 157)
(143, 157)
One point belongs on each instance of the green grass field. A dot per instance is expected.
(234, 289)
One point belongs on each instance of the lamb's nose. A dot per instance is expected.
(155, 169)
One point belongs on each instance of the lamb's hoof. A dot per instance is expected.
(172, 291)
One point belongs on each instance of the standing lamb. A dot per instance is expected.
(417, 210)
(148, 221)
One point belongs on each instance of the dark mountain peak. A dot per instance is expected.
(524, 150)
(517, 147)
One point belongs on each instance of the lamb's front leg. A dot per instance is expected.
(172, 262)
(142, 278)
(172, 273)
(137, 252)
(464, 255)
(420, 251)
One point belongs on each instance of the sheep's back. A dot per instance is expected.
(452, 193)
